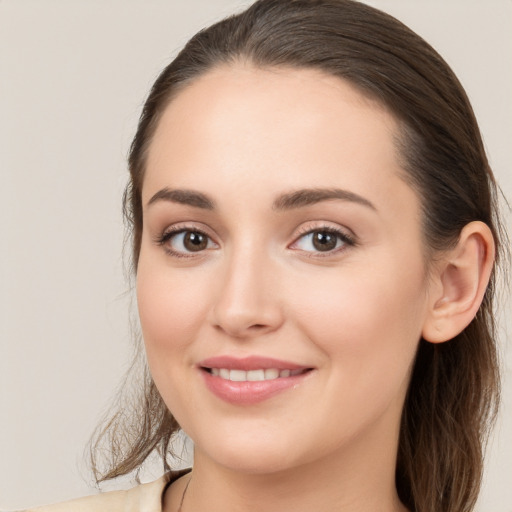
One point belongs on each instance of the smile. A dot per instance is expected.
(251, 380)
(253, 375)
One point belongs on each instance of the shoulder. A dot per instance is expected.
(142, 498)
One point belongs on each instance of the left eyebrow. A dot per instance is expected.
(310, 196)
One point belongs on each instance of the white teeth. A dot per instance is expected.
(271, 373)
(253, 375)
(237, 375)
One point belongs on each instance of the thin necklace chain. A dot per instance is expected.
(183, 495)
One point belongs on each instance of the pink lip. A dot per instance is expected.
(247, 393)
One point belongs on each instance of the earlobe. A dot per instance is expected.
(460, 279)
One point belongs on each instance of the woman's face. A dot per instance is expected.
(280, 243)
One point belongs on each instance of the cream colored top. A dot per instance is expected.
(142, 498)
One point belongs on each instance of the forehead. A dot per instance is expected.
(263, 129)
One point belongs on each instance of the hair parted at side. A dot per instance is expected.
(454, 389)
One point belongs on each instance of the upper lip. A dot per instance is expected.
(249, 363)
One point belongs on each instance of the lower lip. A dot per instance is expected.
(250, 392)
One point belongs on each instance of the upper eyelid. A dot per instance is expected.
(180, 227)
(312, 226)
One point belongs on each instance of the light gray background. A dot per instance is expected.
(73, 77)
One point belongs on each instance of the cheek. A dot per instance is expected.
(171, 312)
(367, 323)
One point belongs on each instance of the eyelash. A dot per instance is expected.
(169, 233)
(346, 239)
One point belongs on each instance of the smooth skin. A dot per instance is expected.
(255, 283)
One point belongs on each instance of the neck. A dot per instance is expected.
(360, 478)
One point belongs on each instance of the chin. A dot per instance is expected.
(243, 449)
(255, 451)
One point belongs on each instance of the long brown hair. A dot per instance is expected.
(454, 389)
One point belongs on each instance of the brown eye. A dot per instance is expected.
(324, 240)
(194, 241)
(183, 242)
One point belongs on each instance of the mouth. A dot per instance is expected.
(252, 379)
(262, 374)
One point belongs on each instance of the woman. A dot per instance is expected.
(314, 241)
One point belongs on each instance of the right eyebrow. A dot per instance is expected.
(183, 196)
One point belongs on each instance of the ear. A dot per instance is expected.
(459, 283)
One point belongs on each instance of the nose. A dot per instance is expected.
(247, 301)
